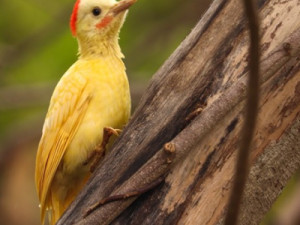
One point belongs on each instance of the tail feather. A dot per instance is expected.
(57, 209)
(59, 200)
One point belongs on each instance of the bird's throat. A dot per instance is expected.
(97, 47)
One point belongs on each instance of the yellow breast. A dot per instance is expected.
(109, 107)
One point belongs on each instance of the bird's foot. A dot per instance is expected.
(96, 156)
(99, 151)
(108, 131)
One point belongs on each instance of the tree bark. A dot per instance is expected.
(186, 128)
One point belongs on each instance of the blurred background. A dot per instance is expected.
(36, 48)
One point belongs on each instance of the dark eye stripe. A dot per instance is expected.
(96, 11)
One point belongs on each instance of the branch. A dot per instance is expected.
(269, 175)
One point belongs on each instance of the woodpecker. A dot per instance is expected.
(90, 102)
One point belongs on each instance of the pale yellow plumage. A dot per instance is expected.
(91, 95)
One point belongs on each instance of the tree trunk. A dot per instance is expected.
(187, 126)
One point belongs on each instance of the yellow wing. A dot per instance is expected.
(67, 108)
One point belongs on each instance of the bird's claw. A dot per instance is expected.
(99, 151)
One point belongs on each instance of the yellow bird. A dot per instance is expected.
(92, 96)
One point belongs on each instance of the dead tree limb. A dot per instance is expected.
(188, 124)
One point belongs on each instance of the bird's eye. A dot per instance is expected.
(96, 11)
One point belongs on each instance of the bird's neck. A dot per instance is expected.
(99, 47)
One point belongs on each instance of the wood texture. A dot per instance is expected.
(207, 71)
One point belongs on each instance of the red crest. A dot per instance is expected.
(73, 19)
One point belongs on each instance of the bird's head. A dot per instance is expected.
(98, 19)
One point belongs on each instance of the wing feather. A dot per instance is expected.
(67, 109)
